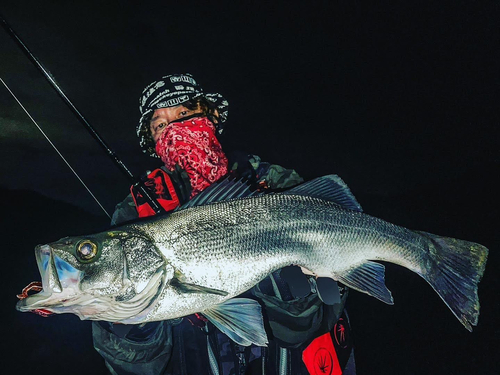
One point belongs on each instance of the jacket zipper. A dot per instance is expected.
(283, 365)
(211, 357)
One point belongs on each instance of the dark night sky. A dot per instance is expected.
(399, 98)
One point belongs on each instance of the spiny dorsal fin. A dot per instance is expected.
(331, 188)
(223, 190)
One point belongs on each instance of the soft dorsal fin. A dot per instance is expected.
(223, 190)
(331, 188)
(369, 278)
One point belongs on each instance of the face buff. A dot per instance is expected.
(192, 144)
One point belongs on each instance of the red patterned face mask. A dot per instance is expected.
(192, 144)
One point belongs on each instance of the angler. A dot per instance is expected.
(199, 258)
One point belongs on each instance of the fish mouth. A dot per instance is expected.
(60, 284)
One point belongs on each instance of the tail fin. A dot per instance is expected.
(459, 266)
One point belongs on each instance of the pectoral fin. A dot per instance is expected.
(240, 319)
(193, 288)
(368, 278)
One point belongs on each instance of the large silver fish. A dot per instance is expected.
(197, 259)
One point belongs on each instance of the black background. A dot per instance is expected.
(399, 98)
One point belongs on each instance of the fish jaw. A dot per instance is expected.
(61, 286)
(122, 290)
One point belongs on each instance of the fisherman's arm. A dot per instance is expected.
(274, 176)
(270, 176)
(144, 349)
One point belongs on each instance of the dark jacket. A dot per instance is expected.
(193, 346)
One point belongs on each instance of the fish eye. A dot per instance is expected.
(86, 250)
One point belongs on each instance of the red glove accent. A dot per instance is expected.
(160, 186)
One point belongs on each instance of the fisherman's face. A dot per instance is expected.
(163, 116)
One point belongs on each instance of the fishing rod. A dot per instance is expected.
(139, 183)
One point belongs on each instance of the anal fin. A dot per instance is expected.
(368, 278)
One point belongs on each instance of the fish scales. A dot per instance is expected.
(233, 245)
